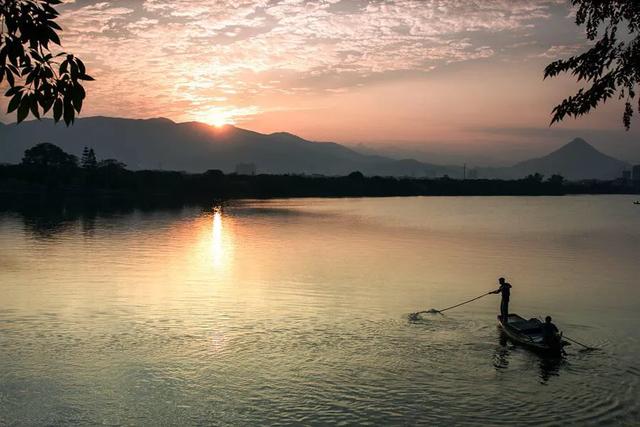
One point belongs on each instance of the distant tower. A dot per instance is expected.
(464, 172)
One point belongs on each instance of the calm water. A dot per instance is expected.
(295, 312)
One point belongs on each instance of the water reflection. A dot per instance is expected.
(548, 366)
(217, 246)
(501, 356)
(248, 315)
(44, 218)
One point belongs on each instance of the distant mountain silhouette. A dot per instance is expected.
(196, 147)
(575, 161)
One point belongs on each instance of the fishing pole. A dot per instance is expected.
(433, 310)
(578, 342)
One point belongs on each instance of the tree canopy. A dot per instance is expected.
(47, 155)
(38, 79)
(611, 66)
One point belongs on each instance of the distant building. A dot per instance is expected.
(626, 175)
(635, 173)
(246, 169)
(472, 174)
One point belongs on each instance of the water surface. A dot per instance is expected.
(295, 312)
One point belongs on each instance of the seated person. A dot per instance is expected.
(550, 332)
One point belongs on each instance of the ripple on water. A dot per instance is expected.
(303, 322)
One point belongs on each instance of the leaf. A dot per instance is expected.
(46, 103)
(77, 105)
(81, 66)
(57, 110)
(78, 92)
(23, 109)
(36, 55)
(627, 115)
(86, 77)
(14, 103)
(53, 36)
(73, 68)
(10, 78)
(33, 105)
(68, 113)
(13, 90)
(78, 95)
(13, 69)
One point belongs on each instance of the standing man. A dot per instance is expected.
(505, 290)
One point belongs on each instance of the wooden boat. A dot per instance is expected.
(528, 333)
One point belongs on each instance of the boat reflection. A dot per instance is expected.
(548, 367)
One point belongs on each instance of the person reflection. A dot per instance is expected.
(501, 355)
(549, 367)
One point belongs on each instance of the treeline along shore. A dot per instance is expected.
(48, 172)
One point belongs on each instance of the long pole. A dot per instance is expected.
(463, 303)
(578, 342)
(414, 315)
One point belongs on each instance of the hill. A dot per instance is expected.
(576, 160)
(196, 147)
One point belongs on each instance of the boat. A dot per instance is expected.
(529, 334)
(637, 202)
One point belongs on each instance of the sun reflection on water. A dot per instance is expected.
(217, 244)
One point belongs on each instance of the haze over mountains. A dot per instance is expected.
(196, 147)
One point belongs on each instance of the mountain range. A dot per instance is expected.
(195, 147)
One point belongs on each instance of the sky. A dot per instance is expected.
(438, 80)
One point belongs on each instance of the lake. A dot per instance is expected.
(295, 312)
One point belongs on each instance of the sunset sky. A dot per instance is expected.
(443, 80)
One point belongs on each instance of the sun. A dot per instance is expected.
(218, 120)
(222, 116)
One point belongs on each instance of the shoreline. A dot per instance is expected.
(103, 186)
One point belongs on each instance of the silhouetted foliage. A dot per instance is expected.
(88, 160)
(556, 179)
(111, 164)
(46, 155)
(611, 66)
(48, 172)
(217, 173)
(38, 79)
(536, 177)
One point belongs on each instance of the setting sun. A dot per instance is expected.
(217, 117)
(218, 120)
(267, 212)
